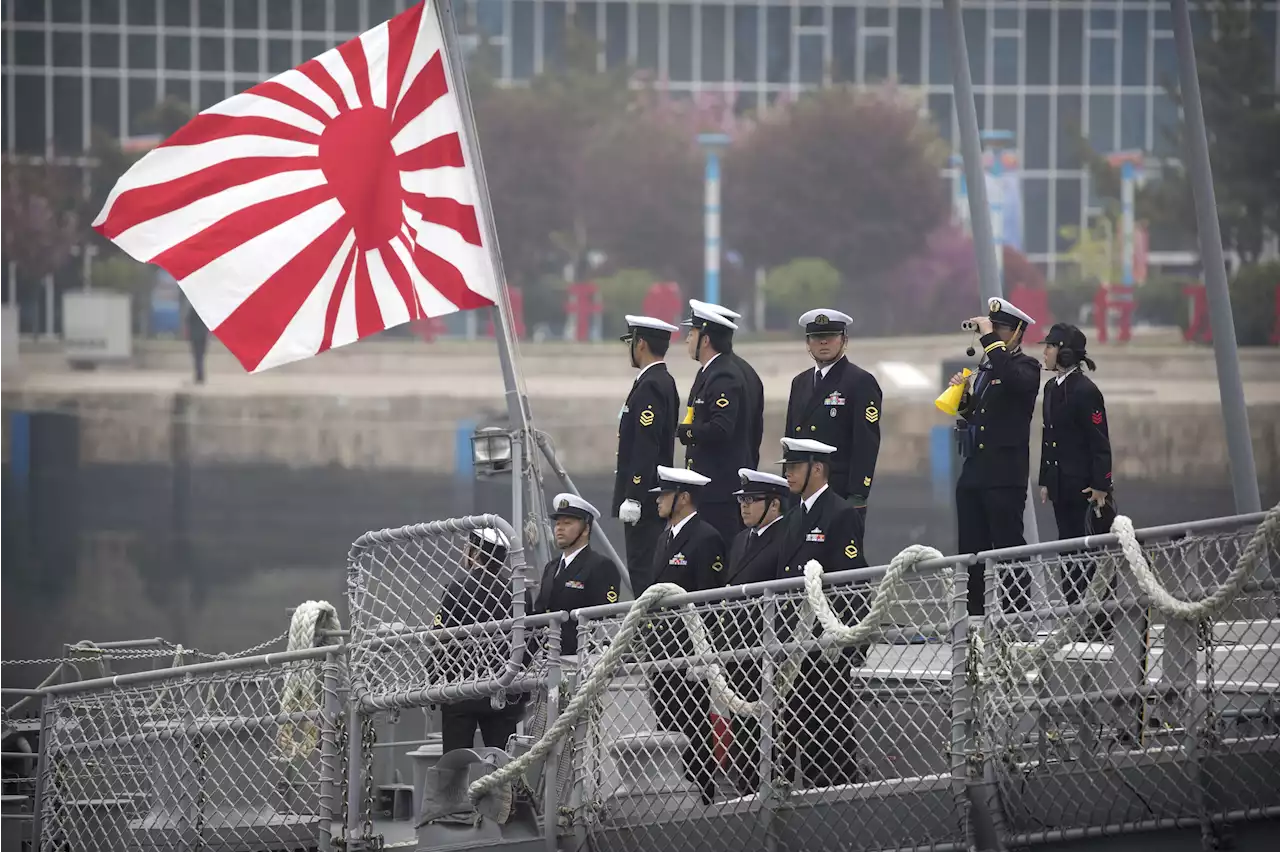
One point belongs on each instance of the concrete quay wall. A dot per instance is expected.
(1173, 440)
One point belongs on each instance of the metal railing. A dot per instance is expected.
(723, 724)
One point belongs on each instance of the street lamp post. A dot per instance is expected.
(712, 145)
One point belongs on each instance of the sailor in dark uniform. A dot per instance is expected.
(837, 403)
(754, 391)
(715, 426)
(823, 704)
(1075, 454)
(753, 558)
(995, 441)
(579, 577)
(646, 439)
(482, 594)
(690, 554)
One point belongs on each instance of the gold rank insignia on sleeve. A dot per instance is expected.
(612, 596)
(866, 480)
(873, 413)
(722, 403)
(646, 417)
(636, 479)
(717, 565)
(851, 551)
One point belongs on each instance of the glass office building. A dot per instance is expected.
(1044, 69)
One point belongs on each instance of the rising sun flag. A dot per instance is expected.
(322, 206)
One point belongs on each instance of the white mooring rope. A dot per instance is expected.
(298, 692)
(493, 790)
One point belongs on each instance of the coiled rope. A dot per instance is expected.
(298, 692)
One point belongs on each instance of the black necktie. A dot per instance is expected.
(753, 541)
(564, 563)
(817, 376)
(666, 540)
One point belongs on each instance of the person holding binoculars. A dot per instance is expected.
(994, 437)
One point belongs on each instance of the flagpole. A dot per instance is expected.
(529, 475)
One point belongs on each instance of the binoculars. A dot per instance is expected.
(968, 325)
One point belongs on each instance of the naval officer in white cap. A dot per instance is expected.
(691, 555)
(481, 595)
(994, 437)
(715, 427)
(822, 707)
(579, 576)
(837, 403)
(646, 438)
(752, 386)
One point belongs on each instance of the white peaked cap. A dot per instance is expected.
(673, 478)
(493, 536)
(723, 311)
(1004, 306)
(802, 447)
(573, 505)
(710, 313)
(758, 477)
(649, 322)
(824, 316)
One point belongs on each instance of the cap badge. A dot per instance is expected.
(822, 319)
(563, 504)
(994, 305)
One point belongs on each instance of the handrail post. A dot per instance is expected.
(329, 759)
(551, 769)
(961, 700)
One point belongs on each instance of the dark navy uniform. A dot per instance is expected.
(842, 409)
(995, 441)
(591, 579)
(693, 558)
(753, 390)
(716, 427)
(1075, 453)
(646, 439)
(753, 393)
(481, 595)
(823, 704)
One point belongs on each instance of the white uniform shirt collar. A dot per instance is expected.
(760, 530)
(675, 531)
(708, 364)
(809, 501)
(1062, 377)
(645, 367)
(566, 558)
(822, 371)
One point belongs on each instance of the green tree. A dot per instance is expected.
(797, 286)
(1239, 97)
(844, 174)
(42, 214)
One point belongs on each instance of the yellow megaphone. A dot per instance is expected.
(949, 400)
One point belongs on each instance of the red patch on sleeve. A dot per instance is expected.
(1096, 417)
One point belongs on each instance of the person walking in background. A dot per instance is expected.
(197, 339)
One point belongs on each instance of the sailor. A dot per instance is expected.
(481, 595)
(646, 439)
(753, 558)
(579, 577)
(995, 441)
(714, 429)
(691, 555)
(1075, 453)
(754, 389)
(837, 403)
(825, 527)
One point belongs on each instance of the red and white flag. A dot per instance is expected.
(329, 203)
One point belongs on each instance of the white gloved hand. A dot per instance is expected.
(629, 512)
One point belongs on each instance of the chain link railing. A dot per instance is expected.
(769, 737)
(1135, 686)
(223, 755)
